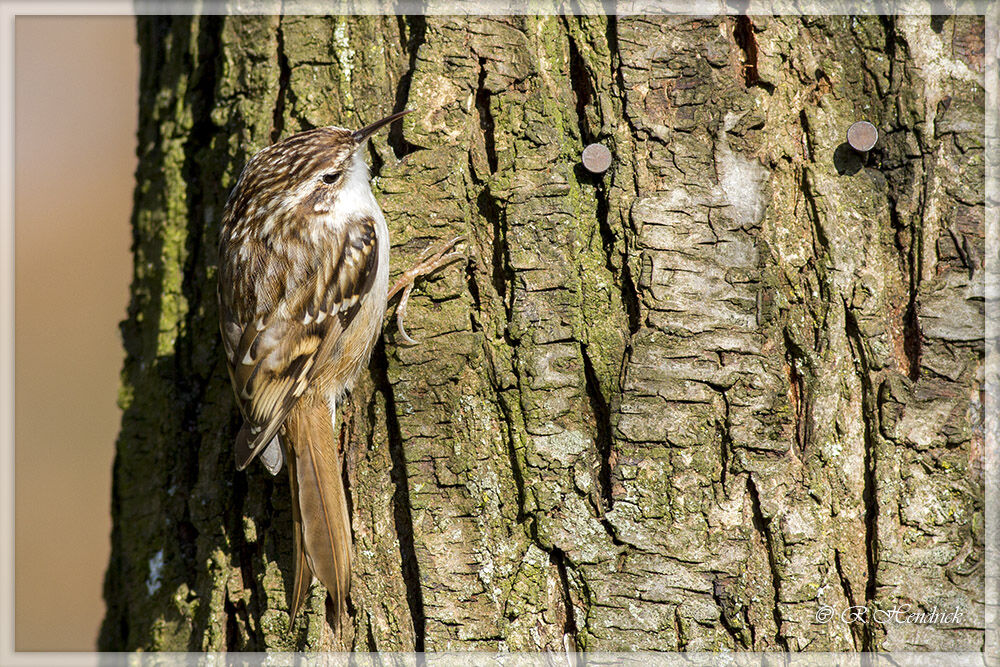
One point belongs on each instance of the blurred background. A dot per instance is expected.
(76, 86)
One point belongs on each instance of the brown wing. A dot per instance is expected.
(273, 359)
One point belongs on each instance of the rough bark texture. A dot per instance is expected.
(682, 406)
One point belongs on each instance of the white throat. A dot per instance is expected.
(355, 198)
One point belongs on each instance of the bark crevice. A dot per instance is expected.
(416, 35)
(604, 438)
(487, 124)
(583, 87)
(857, 634)
(558, 558)
(743, 34)
(402, 510)
(762, 525)
(870, 492)
(725, 442)
(284, 78)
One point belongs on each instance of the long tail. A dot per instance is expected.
(322, 525)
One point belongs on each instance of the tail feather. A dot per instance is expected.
(325, 529)
(303, 575)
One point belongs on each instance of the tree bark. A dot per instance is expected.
(684, 405)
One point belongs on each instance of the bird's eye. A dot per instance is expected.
(330, 179)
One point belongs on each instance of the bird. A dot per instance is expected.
(302, 290)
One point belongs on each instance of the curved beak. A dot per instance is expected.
(360, 136)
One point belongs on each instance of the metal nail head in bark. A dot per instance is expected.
(596, 158)
(862, 136)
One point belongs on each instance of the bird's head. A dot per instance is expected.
(315, 172)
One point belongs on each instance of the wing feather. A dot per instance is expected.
(277, 353)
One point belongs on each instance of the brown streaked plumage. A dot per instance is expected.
(303, 276)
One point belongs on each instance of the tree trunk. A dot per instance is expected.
(694, 403)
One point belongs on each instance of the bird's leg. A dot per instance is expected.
(431, 260)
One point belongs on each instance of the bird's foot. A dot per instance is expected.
(430, 261)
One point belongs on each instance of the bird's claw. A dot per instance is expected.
(431, 260)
